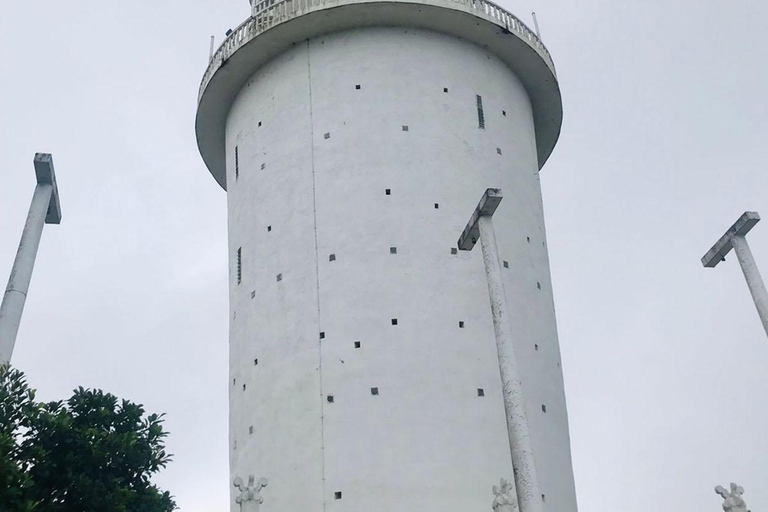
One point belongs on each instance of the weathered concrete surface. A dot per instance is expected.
(315, 158)
(504, 497)
(735, 238)
(250, 498)
(732, 499)
(752, 275)
(487, 206)
(43, 209)
(315, 18)
(723, 246)
(523, 461)
(46, 175)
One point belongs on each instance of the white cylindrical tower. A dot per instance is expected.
(354, 139)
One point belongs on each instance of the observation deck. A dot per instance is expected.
(276, 25)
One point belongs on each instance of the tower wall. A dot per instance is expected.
(309, 160)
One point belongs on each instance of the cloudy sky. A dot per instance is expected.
(664, 145)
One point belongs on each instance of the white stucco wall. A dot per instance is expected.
(427, 442)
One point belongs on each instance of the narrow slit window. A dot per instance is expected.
(237, 163)
(480, 392)
(239, 265)
(480, 114)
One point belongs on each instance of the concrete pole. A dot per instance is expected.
(735, 238)
(524, 466)
(44, 208)
(752, 275)
(526, 480)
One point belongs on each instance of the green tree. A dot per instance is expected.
(92, 452)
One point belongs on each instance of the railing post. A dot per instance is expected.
(268, 13)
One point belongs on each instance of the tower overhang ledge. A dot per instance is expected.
(279, 24)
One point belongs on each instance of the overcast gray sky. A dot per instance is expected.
(663, 147)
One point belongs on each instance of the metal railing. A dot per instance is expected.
(273, 12)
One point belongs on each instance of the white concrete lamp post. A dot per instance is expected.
(45, 209)
(480, 227)
(735, 238)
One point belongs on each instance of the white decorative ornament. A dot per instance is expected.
(733, 502)
(505, 499)
(250, 500)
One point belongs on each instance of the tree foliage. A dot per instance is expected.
(91, 452)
